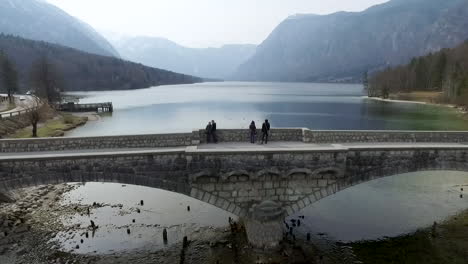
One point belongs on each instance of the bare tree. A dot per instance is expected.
(46, 81)
(9, 76)
(39, 111)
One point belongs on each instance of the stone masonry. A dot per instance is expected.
(236, 180)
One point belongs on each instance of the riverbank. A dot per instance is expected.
(426, 98)
(39, 228)
(444, 243)
(43, 226)
(56, 126)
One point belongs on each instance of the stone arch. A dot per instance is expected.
(237, 175)
(329, 173)
(184, 188)
(268, 174)
(301, 173)
(345, 183)
(204, 176)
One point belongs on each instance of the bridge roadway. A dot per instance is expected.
(228, 147)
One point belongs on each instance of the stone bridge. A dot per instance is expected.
(260, 183)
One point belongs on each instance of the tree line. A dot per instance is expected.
(46, 83)
(445, 71)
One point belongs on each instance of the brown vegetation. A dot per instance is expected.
(444, 72)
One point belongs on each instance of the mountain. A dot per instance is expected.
(341, 46)
(83, 71)
(217, 63)
(39, 20)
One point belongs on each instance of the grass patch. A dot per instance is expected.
(449, 245)
(418, 96)
(53, 128)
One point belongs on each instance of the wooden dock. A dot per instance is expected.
(97, 107)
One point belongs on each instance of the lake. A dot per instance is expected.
(386, 207)
(182, 108)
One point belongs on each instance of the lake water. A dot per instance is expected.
(182, 108)
(385, 207)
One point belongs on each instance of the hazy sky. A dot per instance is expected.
(200, 23)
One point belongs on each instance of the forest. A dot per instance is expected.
(444, 73)
(83, 71)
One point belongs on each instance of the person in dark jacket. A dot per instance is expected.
(265, 131)
(208, 130)
(213, 132)
(253, 132)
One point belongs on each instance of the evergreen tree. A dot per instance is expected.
(365, 83)
(9, 76)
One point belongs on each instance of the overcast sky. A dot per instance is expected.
(200, 23)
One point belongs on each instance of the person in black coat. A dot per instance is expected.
(253, 132)
(213, 132)
(208, 130)
(265, 131)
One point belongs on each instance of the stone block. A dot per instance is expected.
(268, 185)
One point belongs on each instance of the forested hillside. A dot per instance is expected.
(83, 71)
(445, 71)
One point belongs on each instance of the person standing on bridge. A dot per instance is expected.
(208, 131)
(265, 131)
(253, 132)
(213, 132)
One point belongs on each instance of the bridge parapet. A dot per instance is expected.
(369, 136)
(197, 137)
(88, 143)
(243, 135)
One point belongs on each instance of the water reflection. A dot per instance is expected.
(388, 207)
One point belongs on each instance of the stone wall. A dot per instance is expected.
(248, 178)
(324, 136)
(226, 135)
(109, 142)
(159, 170)
(243, 135)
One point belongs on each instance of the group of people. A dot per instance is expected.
(211, 132)
(265, 132)
(212, 137)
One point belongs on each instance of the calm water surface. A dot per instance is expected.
(182, 108)
(385, 207)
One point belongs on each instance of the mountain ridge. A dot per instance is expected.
(343, 45)
(218, 63)
(42, 21)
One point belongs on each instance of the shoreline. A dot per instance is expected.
(452, 106)
(56, 126)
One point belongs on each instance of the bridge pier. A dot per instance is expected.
(264, 225)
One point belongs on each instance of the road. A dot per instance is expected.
(28, 102)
